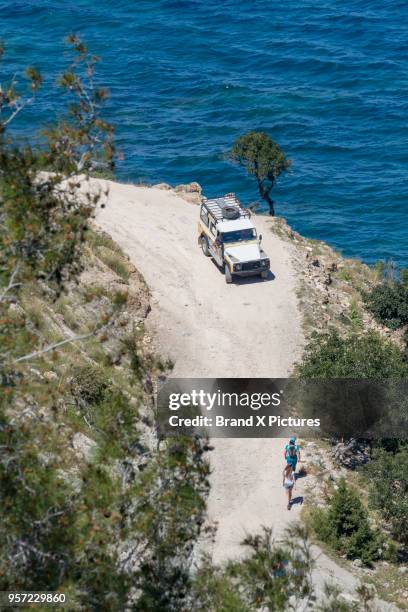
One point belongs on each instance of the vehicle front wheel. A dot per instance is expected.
(204, 246)
(228, 275)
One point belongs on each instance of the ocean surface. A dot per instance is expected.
(327, 79)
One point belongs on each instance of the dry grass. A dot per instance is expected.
(115, 262)
(391, 584)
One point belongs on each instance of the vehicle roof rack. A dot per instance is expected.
(215, 206)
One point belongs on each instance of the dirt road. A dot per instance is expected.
(251, 328)
(210, 329)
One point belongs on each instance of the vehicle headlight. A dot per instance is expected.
(237, 267)
(265, 263)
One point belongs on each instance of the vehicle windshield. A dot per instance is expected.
(238, 235)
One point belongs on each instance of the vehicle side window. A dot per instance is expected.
(212, 229)
(204, 216)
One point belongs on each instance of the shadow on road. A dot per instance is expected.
(246, 280)
(250, 280)
(301, 474)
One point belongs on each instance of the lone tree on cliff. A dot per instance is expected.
(262, 157)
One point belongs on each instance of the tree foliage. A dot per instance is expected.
(167, 511)
(82, 141)
(376, 368)
(275, 575)
(14, 99)
(53, 533)
(42, 214)
(388, 302)
(263, 158)
(345, 526)
(329, 355)
(388, 484)
(46, 197)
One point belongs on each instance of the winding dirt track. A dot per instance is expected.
(210, 329)
(251, 328)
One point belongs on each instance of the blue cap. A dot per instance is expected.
(293, 439)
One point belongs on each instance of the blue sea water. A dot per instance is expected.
(327, 79)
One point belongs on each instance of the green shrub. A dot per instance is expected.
(354, 316)
(101, 239)
(333, 601)
(346, 528)
(115, 262)
(388, 302)
(405, 338)
(88, 384)
(93, 292)
(120, 298)
(168, 503)
(273, 576)
(53, 536)
(388, 485)
(345, 274)
(36, 542)
(130, 348)
(330, 355)
(115, 420)
(376, 367)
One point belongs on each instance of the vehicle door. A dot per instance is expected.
(215, 246)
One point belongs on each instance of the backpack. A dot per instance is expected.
(291, 451)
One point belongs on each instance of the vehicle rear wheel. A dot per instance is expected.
(228, 275)
(264, 274)
(204, 246)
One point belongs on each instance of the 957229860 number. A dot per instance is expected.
(31, 598)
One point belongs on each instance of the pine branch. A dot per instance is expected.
(51, 347)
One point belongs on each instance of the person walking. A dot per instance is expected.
(289, 483)
(292, 454)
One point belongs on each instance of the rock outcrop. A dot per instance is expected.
(330, 286)
(190, 192)
(351, 454)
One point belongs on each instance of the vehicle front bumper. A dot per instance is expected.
(251, 272)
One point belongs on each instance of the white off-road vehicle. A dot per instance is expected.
(227, 234)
